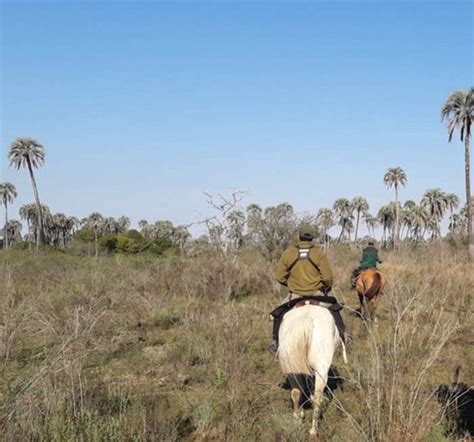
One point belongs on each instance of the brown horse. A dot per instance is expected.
(369, 286)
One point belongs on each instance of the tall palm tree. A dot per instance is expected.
(7, 195)
(395, 177)
(361, 207)
(325, 218)
(344, 211)
(27, 152)
(435, 203)
(458, 112)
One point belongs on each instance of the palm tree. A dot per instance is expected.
(372, 223)
(395, 177)
(123, 224)
(95, 221)
(406, 217)
(435, 203)
(7, 195)
(163, 228)
(325, 218)
(361, 207)
(14, 230)
(419, 219)
(453, 201)
(344, 211)
(27, 152)
(29, 214)
(454, 223)
(62, 227)
(110, 225)
(458, 112)
(386, 216)
(181, 236)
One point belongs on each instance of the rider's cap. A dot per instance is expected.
(306, 237)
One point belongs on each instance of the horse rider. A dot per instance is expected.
(306, 271)
(370, 258)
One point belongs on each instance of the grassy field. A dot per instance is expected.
(137, 348)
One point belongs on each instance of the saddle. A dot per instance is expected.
(281, 310)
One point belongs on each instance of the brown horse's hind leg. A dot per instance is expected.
(298, 412)
(361, 301)
(373, 304)
(366, 309)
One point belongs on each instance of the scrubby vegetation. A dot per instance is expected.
(146, 347)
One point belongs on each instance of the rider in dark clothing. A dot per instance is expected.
(370, 258)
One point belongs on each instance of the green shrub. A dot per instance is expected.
(86, 235)
(160, 245)
(131, 242)
(109, 243)
(219, 378)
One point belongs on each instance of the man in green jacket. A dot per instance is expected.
(305, 270)
(370, 258)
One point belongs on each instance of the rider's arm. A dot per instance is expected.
(282, 272)
(326, 272)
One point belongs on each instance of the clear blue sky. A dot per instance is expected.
(143, 105)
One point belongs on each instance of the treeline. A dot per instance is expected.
(231, 228)
(269, 229)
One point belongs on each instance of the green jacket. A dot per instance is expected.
(304, 274)
(370, 257)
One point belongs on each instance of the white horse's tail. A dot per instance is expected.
(344, 352)
(294, 347)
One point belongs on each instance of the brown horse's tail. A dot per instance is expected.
(374, 287)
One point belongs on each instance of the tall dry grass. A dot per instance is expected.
(137, 348)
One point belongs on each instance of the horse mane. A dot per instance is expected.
(375, 286)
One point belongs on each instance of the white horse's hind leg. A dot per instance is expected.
(320, 384)
(298, 412)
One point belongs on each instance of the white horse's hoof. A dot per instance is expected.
(299, 415)
(313, 432)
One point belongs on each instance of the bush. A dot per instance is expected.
(109, 243)
(131, 242)
(160, 245)
(86, 235)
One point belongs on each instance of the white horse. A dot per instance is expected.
(308, 339)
